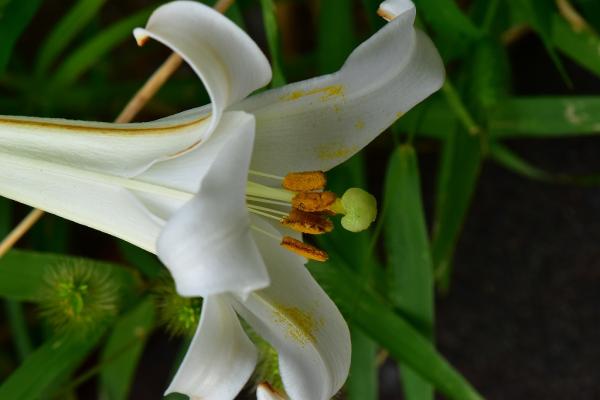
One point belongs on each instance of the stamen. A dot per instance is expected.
(314, 201)
(266, 209)
(264, 175)
(269, 234)
(314, 224)
(304, 249)
(258, 190)
(264, 214)
(305, 181)
(267, 201)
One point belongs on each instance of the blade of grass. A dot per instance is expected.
(545, 117)
(582, 47)
(335, 34)
(49, 363)
(410, 268)
(457, 177)
(123, 350)
(84, 57)
(65, 31)
(377, 319)
(15, 15)
(362, 381)
(272, 32)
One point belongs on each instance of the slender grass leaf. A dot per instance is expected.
(336, 34)
(513, 162)
(454, 31)
(410, 267)
(123, 350)
(582, 47)
(591, 11)
(458, 173)
(65, 31)
(49, 363)
(15, 15)
(376, 318)
(84, 57)
(362, 381)
(510, 160)
(22, 273)
(538, 14)
(545, 117)
(272, 33)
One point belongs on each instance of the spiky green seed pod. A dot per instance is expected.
(79, 296)
(179, 315)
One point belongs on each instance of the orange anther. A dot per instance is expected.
(304, 249)
(305, 181)
(314, 224)
(314, 201)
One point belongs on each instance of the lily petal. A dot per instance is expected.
(295, 315)
(78, 170)
(319, 123)
(226, 59)
(207, 245)
(220, 358)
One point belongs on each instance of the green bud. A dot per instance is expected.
(179, 315)
(79, 296)
(360, 209)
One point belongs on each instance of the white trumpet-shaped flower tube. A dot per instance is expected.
(201, 188)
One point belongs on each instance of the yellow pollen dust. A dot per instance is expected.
(301, 326)
(313, 224)
(304, 249)
(328, 92)
(305, 181)
(314, 201)
(335, 152)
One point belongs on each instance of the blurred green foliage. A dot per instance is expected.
(83, 64)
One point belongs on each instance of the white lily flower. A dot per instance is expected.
(180, 187)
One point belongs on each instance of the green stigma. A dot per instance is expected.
(360, 209)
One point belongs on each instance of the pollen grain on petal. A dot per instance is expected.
(304, 249)
(335, 151)
(327, 93)
(314, 201)
(301, 325)
(311, 223)
(305, 181)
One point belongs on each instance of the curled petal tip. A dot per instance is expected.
(265, 391)
(141, 37)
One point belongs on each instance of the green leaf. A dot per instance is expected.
(582, 47)
(409, 258)
(538, 14)
(146, 262)
(336, 35)
(22, 273)
(123, 350)
(15, 15)
(372, 315)
(272, 32)
(546, 117)
(458, 173)
(507, 158)
(362, 381)
(84, 57)
(65, 31)
(51, 362)
(454, 31)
